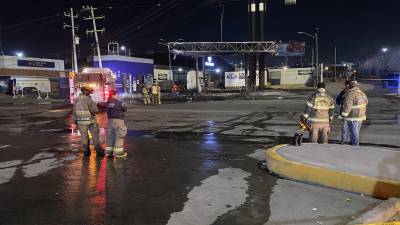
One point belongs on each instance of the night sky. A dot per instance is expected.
(359, 28)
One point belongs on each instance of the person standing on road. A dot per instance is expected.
(84, 111)
(318, 113)
(354, 111)
(116, 129)
(339, 102)
(156, 92)
(146, 97)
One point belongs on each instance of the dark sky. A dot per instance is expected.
(359, 28)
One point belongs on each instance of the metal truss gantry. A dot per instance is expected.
(215, 48)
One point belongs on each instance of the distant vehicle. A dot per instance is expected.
(31, 85)
(101, 79)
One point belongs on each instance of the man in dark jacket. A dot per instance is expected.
(116, 129)
(339, 101)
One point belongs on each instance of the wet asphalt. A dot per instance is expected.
(146, 188)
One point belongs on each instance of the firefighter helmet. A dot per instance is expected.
(86, 89)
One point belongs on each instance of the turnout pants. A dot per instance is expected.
(157, 99)
(146, 99)
(319, 131)
(94, 131)
(116, 132)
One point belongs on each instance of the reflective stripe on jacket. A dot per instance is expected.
(355, 105)
(319, 107)
(155, 89)
(85, 110)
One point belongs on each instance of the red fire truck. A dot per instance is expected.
(101, 79)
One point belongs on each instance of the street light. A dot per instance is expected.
(218, 70)
(180, 69)
(123, 48)
(315, 37)
(384, 50)
(20, 54)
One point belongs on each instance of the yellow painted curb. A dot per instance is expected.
(378, 188)
(386, 223)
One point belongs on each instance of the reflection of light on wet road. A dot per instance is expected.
(98, 202)
(210, 139)
(85, 189)
(210, 143)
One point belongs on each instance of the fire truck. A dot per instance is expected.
(102, 80)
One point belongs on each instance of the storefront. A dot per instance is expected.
(26, 73)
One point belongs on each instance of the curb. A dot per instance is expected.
(382, 213)
(351, 182)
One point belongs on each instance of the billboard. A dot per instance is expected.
(34, 63)
(294, 48)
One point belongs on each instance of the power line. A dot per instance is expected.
(28, 22)
(138, 19)
(184, 14)
(150, 20)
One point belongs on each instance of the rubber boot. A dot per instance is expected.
(87, 152)
(99, 151)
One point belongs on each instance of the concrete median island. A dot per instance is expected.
(372, 171)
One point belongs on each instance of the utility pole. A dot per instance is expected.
(222, 19)
(75, 39)
(317, 50)
(261, 63)
(95, 31)
(253, 57)
(335, 65)
(1, 41)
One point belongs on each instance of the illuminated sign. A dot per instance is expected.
(209, 62)
(32, 63)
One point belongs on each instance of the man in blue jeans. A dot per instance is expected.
(339, 102)
(354, 111)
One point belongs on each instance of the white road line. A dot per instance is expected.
(4, 146)
(9, 170)
(36, 169)
(216, 196)
(42, 155)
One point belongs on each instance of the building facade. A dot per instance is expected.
(129, 71)
(27, 72)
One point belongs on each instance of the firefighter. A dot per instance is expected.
(156, 92)
(146, 97)
(318, 113)
(116, 129)
(84, 111)
(354, 111)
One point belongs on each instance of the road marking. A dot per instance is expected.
(216, 196)
(42, 155)
(4, 146)
(36, 169)
(9, 170)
